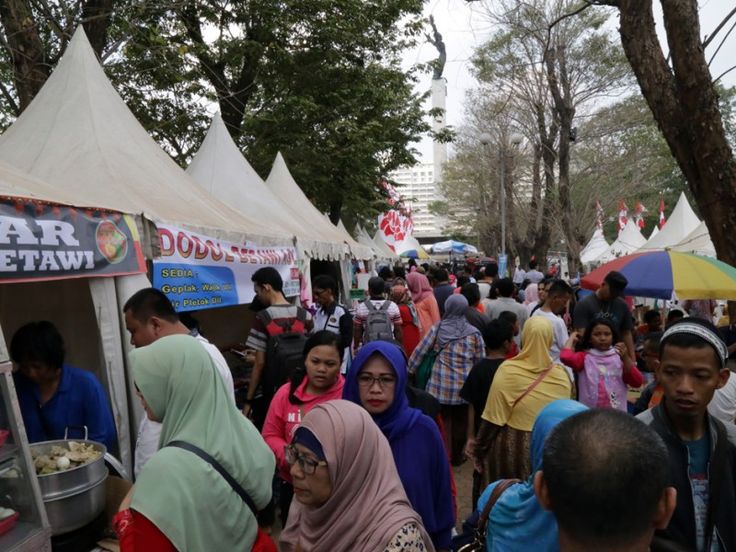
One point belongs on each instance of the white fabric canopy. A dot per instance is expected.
(654, 232)
(681, 222)
(360, 250)
(629, 240)
(698, 241)
(284, 187)
(220, 168)
(79, 135)
(383, 246)
(363, 238)
(596, 247)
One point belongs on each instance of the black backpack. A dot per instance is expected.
(284, 351)
(378, 326)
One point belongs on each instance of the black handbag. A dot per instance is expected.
(473, 537)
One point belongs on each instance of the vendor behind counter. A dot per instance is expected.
(55, 396)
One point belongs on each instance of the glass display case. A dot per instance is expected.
(27, 529)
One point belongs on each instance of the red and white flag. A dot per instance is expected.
(639, 215)
(662, 218)
(623, 215)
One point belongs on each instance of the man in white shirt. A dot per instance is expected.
(505, 302)
(149, 316)
(533, 275)
(559, 294)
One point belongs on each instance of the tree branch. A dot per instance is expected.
(726, 72)
(710, 38)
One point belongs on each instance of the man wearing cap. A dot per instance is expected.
(702, 449)
(607, 302)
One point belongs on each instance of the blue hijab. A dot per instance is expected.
(416, 443)
(400, 417)
(517, 521)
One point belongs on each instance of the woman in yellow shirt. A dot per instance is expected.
(521, 388)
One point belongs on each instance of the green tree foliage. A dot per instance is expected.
(318, 80)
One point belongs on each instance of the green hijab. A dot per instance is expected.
(177, 491)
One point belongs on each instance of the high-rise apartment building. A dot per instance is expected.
(418, 189)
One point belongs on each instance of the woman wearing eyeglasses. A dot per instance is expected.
(377, 381)
(318, 382)
(347, 494)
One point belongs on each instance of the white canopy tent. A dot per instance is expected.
(284, 187)
(682, 221)
(383, 246)
(698, 241)
(629, 240)
(654, 232)
(381, 253)
(79, 136)
(358, 250)
(222, 170)
(594, 248)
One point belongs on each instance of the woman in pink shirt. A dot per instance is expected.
(318, 382)
(423, 297)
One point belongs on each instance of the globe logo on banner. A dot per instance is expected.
(395, 228)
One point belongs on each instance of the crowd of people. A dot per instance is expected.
(589, 422)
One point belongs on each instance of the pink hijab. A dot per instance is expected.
(531, 294)
(419, 286)
(368, 505)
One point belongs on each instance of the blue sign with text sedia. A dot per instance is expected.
(194, 287)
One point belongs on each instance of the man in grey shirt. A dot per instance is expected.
(505, 302)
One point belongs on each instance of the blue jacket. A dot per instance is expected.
(79, 401)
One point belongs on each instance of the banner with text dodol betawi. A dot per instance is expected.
(199, 272)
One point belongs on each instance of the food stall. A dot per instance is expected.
(23, 522)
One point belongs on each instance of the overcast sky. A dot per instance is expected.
(464, 27)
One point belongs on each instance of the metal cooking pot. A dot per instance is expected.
(74, 497)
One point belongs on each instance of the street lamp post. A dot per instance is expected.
(515, 140)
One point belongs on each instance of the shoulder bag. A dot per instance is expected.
(478, 542)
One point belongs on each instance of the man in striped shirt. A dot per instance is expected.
(268, 286)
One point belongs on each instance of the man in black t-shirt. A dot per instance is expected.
(498, 336)
(607, 302)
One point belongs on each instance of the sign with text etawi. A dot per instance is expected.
(44, 241)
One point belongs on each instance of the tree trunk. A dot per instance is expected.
(557, 77)
(26, 49)
(684, 102)
(97, 14)
(548, 137)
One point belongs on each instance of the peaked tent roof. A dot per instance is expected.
(629, 240)
(220, 168)
(410, 244)
(383, 246)
(594, 248)
(698, 241)
(283, 185)
(654, 232)
(79, 135)
(360, 250)
(681, 222)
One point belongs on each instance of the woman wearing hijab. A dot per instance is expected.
(423, 297)
(522, 387)
(517, 521)
(411, 327)
(347, 492)
(377, 381)
(179, 502)
(458, 347)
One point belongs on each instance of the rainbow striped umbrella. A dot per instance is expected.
(660, 273)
